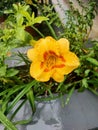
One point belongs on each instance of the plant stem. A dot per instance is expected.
(47, 23)
(38, 31)
(51, 30)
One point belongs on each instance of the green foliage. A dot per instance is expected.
(6, 4)
(20, 18)
(79, 23)
(13, 81)
(6, 122)
(14, 34)
(54, 20)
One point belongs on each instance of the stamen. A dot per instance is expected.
(51, 61)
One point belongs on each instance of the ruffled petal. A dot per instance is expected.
(35, 69)
(58, 77)
(63, 45)
(45, 44)
(37, 72)
(72, 62)
(72, 59)
(31, 54)
(44, 76)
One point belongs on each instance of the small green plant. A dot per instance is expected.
(6, 4)
(14, 35)
(79, 23)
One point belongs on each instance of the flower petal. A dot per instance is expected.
(31, 54)
(45, 44)
(58, 77)
(38, 73)
(44, 76)
(35, 69)
(72, 59)
(63, 45)
(72, 62)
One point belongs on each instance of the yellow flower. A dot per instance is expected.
(51, 59)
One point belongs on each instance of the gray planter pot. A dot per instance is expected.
(15, 60)
(80, 114)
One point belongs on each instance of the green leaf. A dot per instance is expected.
(23, 122)
(27, 87)
(26, 15)
(95, 73)
(50, 93)
(18, 108)
(19, 19)
(20, 33)
(12, 72)
(32, 15)
(6, 122)
(8, 11)
(84, 83)
(92, 61)
(87, 72)
(93, 91)
(3, 71)
(15, 7)
(69, 95)
(40, 19)
(31, 99)
(94, 82)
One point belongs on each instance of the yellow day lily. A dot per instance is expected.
(51, 59)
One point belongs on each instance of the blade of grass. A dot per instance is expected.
(23, 122)
(6, 122)
(18, 108)
(31, 99)
(24, 58)
(93, 91)
(4, 92)
(60, 85)
(69, 95)
(20, 95)
(7, 98)
(51, 30)
(40, 99)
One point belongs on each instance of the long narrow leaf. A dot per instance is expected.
(92, 61)
(31, 99)
(8, 96)
(18, 108)
(23, 122)
(69, 95)
(6, 122)
(93, 91)
(20, 95)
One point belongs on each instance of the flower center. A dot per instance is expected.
(51, 61)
